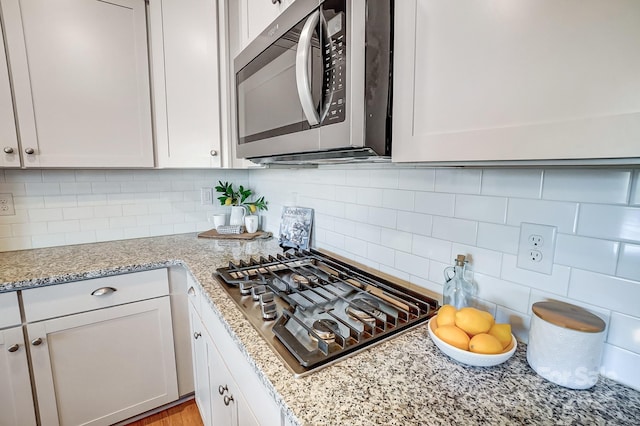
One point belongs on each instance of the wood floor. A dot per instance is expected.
(185, 414)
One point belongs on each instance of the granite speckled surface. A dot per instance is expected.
(404, 381)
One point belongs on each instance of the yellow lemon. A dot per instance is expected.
(490, 317)
(502, 332)
(453, 336)
(252, 208)
(472, 320)
(228, 201)
(484, 343)
(446, 316)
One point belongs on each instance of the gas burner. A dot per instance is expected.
(297, 279)
(324, 328)
(363, 308)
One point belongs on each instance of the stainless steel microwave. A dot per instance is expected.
(316, 85)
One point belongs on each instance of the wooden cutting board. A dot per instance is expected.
(212, 233)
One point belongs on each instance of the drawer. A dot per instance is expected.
(9, 310)
(87, 295)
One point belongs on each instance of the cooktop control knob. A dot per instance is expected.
(245, 288)
(257, 290)
(268, 307)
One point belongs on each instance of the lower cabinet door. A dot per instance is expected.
(16, 402)
(104, 366)
(200, 367)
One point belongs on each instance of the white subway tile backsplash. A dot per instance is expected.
(85, 212)
(93, 224)
(504, 293)
(53, 201)
(611, 222)
(80, 237)
(436, 271)
(396, 240)
(481, 208)
(15, 243)
(416, 223)
(105, 187)
(90, 176)
(589, 185)
(107, 211)
(65, 226)
(5, 231)
(587, 253)
(417, 179)
(434, 203)
(624, 332)
(517, 183)
(92, 200)
(35, 202)
(459, 181)
(411, 264)
(617, 294)
(432, 248)
(386, 218)
(554, 213)
(398, 200)
(113, 234)
(381, 254)
(28, 229)
(368, 197)
(384, 178)
(42, 188)
(23, 176)
(498, 237)
(75, 188)
(456, 230)
(621, 365)
(635, 189)
(481, 260)
(368, 233)
(48, 240)
(122, 222)
(17, 189)
(126, 187)
(355, 245)
(358, 177)
(45, 215)
(629, 263)
(134, 209)
(556, 283)
(119, 175)
(58, 176)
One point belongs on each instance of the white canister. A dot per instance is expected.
(565, 344)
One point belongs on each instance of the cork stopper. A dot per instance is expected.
(460, 259)
(568, 316)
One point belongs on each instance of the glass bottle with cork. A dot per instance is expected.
(458, 291)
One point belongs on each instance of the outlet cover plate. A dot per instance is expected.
(6, 205)
(536, 247)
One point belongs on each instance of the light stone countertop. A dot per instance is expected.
(403, 381)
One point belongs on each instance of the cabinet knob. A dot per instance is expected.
(8, 150)
(191, 291)
(228, 399)
(276, 1)
(196, 335)
(103, 290)
(13, 348)
(222, 390)
(29, 151)
(213, 152)
(36, 342)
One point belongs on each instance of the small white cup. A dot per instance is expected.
(251, 223)
(219, 219)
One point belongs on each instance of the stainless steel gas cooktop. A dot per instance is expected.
(314, 309)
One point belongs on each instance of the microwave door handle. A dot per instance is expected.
(302, 69)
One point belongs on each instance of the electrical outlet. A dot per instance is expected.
(537, 247)
(6, 205)
(206, 196)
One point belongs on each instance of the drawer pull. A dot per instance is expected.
(102, 291)
(13, 347)
(228, 399)
(191, 291)
(36, 342)
(222, 390)
(196, 335)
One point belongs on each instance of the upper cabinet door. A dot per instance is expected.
(256, 15)
(81, 82)
(9, 154)
(186, 58)
(516, 80)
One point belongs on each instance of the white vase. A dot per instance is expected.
(251, 223)
(237, 215)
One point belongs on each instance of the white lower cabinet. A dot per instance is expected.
(104, 351)
(16, 402)
(228, 392)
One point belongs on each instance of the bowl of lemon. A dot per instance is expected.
(471, 336)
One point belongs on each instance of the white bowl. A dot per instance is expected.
(471, 358)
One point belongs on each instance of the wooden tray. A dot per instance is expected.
(212, 233)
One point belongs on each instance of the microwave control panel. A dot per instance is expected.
(334, 54)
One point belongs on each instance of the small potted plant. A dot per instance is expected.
(242, 210)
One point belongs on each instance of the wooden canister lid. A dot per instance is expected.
(568, 316)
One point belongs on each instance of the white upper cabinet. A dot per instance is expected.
(516, 80)
(81, 82)
(187, 54)
(9, 156)
(256, 15)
